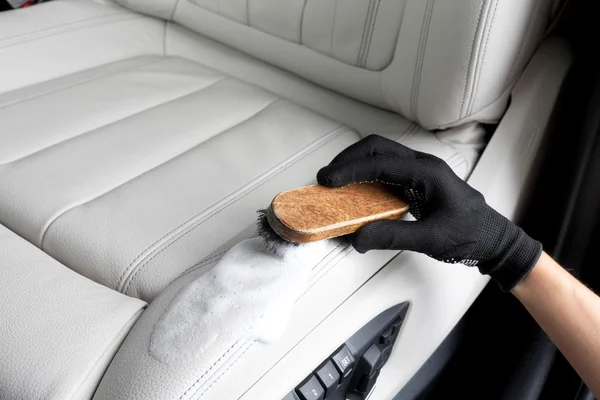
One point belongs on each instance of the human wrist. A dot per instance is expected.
(506, 252)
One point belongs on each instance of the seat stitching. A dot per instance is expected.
(252, 186)
(204, 262)
(302, 22)
(473, 94)
(109, 16)
(73, 30)
(82, 81)
(366, 31)
(333, 28)
(344, 247)
(209, 369)
(45, 230)
(474, 46)
(349, 249)
(342, 244)
(362, 39)
(191, 218)
(79, 135)
(373, 24)
(228, 368)
(420, 59)
(174, 9)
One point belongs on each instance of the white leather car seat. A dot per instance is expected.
(138, 139)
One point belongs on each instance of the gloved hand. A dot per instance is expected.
(454, 223)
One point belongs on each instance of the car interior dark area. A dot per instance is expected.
(299, 199)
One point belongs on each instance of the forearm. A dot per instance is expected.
(568, 312)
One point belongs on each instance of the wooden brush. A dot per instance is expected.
(313, 213)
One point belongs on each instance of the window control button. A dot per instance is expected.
(370, 360)
(396, 327)
(311, 389)
(386, 337)
(328, 376)
(343, 361)
(367, 382)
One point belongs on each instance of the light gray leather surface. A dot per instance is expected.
(58, 330)
(141, 149)
(453, 61)
(61, 37)
(133, 171)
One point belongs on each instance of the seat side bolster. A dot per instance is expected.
(58, 330)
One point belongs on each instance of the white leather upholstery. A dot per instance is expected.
(437, 63)
(139, 151)
(56, 39)
(58, 330)
(107, 142)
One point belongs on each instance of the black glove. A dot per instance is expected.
(454, 223)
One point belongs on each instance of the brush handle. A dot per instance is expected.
(313, 213)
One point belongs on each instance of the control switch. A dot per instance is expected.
(311, 389)
(344, 362)
(328, 376)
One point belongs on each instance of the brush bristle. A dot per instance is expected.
(272, 240)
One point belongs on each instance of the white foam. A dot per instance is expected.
(249, 294)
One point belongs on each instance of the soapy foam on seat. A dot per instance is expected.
(249, 294)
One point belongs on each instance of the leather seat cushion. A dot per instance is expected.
(134, 171)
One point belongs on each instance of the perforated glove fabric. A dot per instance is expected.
(453, 223)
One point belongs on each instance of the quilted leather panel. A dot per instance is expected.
(361, 34)
(134, 171)
(146, 176)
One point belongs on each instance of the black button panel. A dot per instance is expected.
(352, 370)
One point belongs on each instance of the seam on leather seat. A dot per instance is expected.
(209, 369)
(481, 61)
(204, 262)
(104, 74)
(371, 32)
(140, 255)
(81, 134)
(223, 204)
(414, 96)
(301, 21)
(335, 8)
(62, 212)
(227, 369)
(108, 16)
(332, 264)
(343, 246)
(361, 47)
(174, 9)
(240, 353)
(126, 17)
(118, 120)
(477, 39)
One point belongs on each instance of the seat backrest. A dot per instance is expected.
(438, 63)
